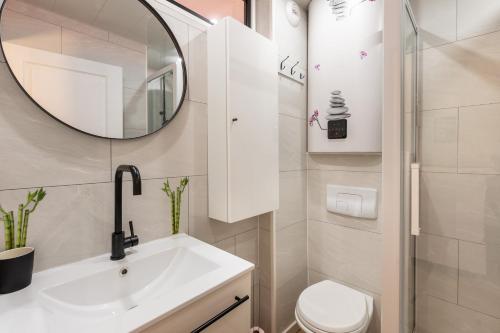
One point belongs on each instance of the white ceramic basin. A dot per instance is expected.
(127, 285)
(95, 295)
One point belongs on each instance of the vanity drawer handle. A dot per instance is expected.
(211, 321)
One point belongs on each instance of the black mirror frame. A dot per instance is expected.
(176, 44)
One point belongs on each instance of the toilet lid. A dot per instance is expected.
(332, 307)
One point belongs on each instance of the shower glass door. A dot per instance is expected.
(409, 156)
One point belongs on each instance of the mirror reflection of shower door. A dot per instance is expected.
(409, 156)
(161, 108)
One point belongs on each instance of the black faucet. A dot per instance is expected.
(118, 240)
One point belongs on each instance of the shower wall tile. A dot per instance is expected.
(293, 198)
(439, 140)
(178, 150)
(461, 206)
(437, 20)
(315, 277)
(317, 187)
(437, 262)
(462, 73)
(39, 151)
(479, 283)
(477, 17)
(479, 139)
(338, 162)
(346, 254)
(292, 137)
(435, 315)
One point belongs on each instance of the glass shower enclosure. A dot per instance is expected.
(410, 168)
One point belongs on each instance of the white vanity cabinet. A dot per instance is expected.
(243, 156)
(188, 319)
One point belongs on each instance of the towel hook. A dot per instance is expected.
(282, 65)
(292, 71)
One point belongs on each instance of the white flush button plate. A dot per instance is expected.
(352, 201)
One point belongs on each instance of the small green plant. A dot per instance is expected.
(23, 214)
(175, 202)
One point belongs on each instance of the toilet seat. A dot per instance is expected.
(332, 308)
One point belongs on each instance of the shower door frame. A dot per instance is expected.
(415, 159)
(392, 167)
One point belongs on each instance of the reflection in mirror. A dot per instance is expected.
(110, 68)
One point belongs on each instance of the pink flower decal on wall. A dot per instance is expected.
(363, 54)
(313, 118)
(317, 67)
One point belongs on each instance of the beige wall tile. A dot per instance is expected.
(461, 206)
(287, 296)
(265, 309)
(265, 257)
(437, 316)
(437, 20)
(247, 246)
(315, 277)
(228, 245)
(349, 255)
(291, 252)
(439, 140)
(437, 267)
(292, 143)
(477, 17)
(177, 150)
(338, 162)
(291, 270)
(38, 150)
(255, 305)
(198, 67)
(317, 185)
(438, 204)
(462, 73)
(157, 223)
(72, 223)
(479, 283)
(478, 211)
(293, 198)
(479, 139)
(203, 228)
(292, 98)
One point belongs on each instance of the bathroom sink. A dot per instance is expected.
(153, 281)
(130, 282)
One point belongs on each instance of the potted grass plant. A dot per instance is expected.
(16, 262)
(175, 202)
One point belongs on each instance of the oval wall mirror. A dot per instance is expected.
(109, 68)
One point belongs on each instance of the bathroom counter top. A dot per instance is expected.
(153, 281)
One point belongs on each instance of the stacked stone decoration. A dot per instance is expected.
(338, 109)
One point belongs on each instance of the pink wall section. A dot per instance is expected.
(217, 9)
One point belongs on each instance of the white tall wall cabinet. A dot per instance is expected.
(243, 172)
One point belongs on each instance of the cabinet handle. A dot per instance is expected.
(224, 312)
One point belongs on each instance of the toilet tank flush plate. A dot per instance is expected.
(352, 201)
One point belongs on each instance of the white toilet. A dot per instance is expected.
(330, 307)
